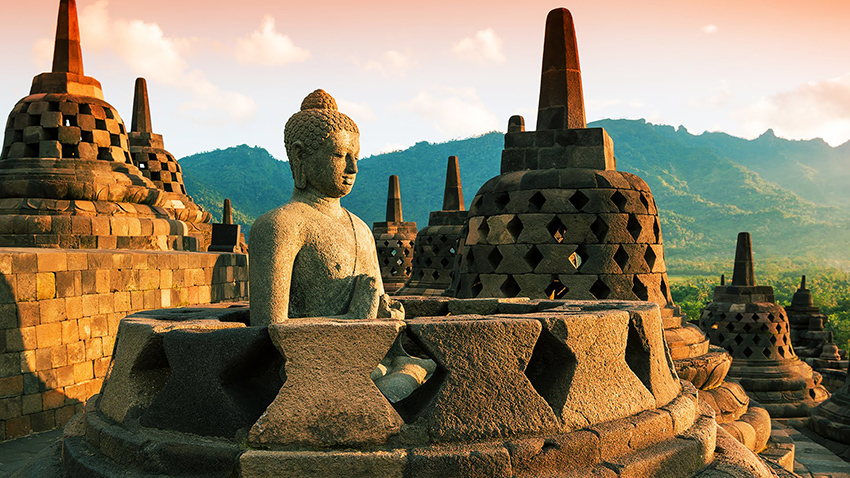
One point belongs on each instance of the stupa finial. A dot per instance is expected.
(394, 201)
(803, 283)
(141, 108)
(743, 275)
(453, 195)
(67, 53)
(561, 99)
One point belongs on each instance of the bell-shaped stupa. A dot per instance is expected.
(394, 240)
(561, 222)
(436, 244)
(149, 154)
(66, 175)
(746, 321)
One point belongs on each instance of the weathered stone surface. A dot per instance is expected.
(335, 404)
(321, 464)
(471, 402)
(140, 369)
(466, 461)
(230, 374)
(566, 364)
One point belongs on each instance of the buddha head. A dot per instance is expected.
(323, 146)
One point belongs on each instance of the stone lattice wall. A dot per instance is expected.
(59, 313)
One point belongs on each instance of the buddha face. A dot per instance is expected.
(332, 168)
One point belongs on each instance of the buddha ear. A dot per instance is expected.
(296, 162)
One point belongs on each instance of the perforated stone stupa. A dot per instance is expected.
(745, 320)
(561, 222)
(67, 178)
(394, 240)
(436, 244)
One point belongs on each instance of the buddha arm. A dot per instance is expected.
(273, 248)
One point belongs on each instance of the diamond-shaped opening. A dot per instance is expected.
(514, 227)
(510, 288)
(730, 326)
(393, 252)
(770, 317)
(443, 239)
(755, 317)
(747, 328)
(781, 350)
(738, 339)
(386, 261)
(639, 289)
(435, 275)
(723, 316)
(407, 271)
(633, 226)
(638, 356)
(649, 257)
(619, 200)
(470, 259)
(599, 229)
(600, 290)
(772, 340)
(747, 352)
(494, 258)
(399, 262)
(550, 370)
(765, 352)
(429, 239)
(409, 377)
(428, 262)
(621, 257)
(579, 257)
(502, 201)
(394, 272)
(557, 230)
(444, 262)
(452, 251)
(644, 201)
(483, 230)
(579, 200)
(533, 257)
(435, 250)
(757, 340)
(476, 286)
(536, 202)
(656, 229)
(739, 317)
(555, 290)
(407, 250)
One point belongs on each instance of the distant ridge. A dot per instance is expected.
(791, 195)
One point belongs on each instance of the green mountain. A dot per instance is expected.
(708, 187)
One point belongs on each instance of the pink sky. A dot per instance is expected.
(223, 73)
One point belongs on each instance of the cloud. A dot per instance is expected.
(148, 52)
(391, 63)
(485, 47)
(815, 109)
(709, 29)
(392, 147)
(357, 111)
(265, 46)
(456, 112)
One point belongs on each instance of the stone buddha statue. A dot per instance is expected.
(311, 257)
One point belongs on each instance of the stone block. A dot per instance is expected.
(50, 149)
(469, 462)
(69, 135)
(141, 367)
(467, 401)
(321, 464)
(206, 370)
(648, 356)
(539, 456)
(335, 404)
(571, 350)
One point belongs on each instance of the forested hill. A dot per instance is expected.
(791, 195)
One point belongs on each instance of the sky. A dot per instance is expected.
(222, 73)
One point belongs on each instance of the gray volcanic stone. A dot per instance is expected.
(480, 389)
(321, 464)
(328, 398)
(140, 368)
(221, 381)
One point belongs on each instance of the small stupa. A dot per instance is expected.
(67, 178)
(436, 244)
(746, 321)
(394, 240)
(148, 152)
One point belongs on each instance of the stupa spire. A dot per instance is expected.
(743, 275)
(453, 195)
(67, 53)
(394, 201)
(561, 99)
(141, 108)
